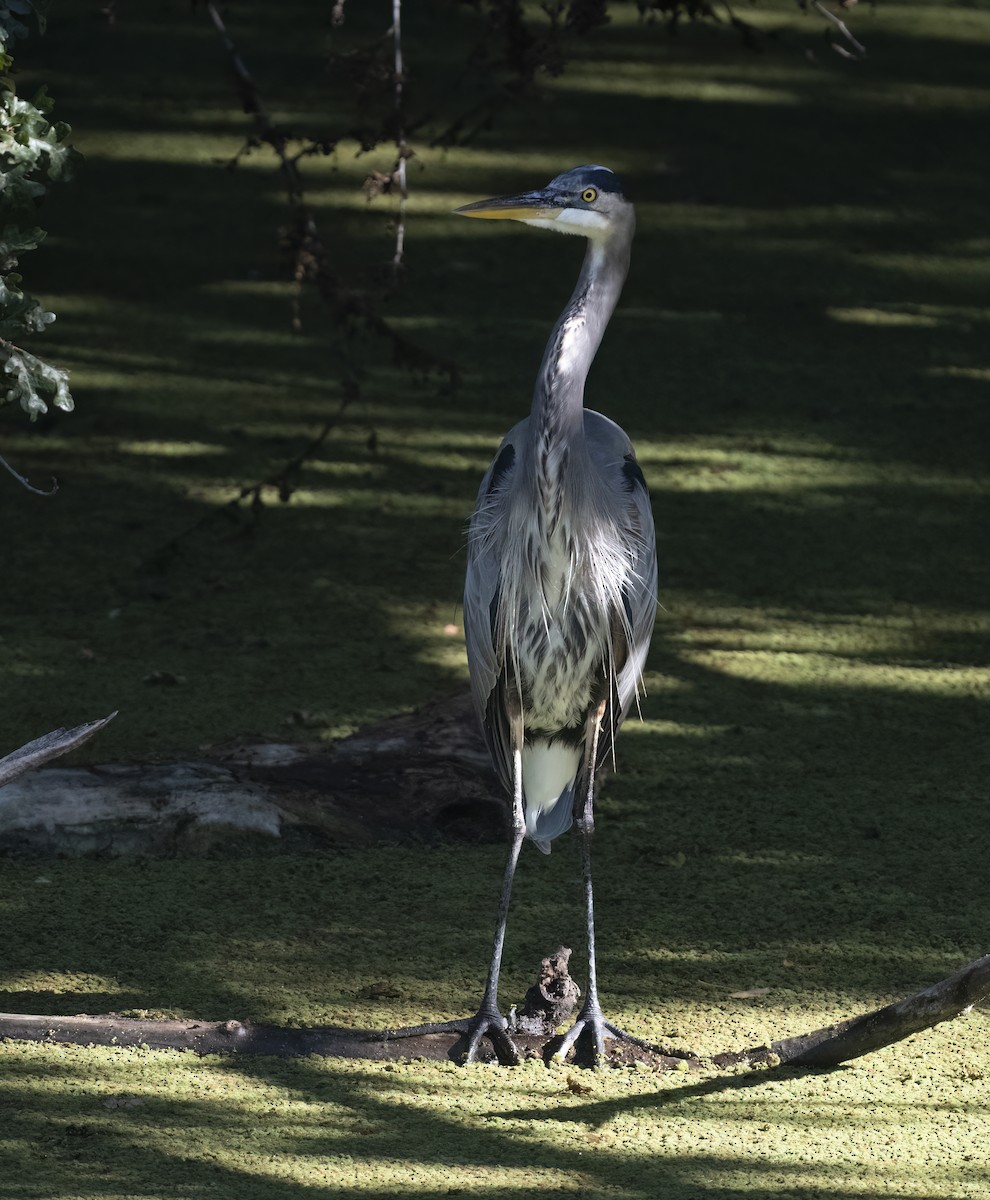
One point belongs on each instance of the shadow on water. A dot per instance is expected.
(334, 1131)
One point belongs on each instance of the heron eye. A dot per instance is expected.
(589, 195)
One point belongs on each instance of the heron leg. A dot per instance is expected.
(590, 1029)
(488, 1021)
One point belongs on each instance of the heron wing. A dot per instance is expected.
(482, 594)
(615, 458)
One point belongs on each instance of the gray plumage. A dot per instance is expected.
(560, 594)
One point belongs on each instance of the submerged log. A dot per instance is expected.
(826, 1047)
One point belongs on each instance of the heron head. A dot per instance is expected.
(587, 201)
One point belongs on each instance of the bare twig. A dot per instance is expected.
(25, 483)
(843, 28)
(348, 307)
(254, 105)
(400, 138)
(280, 481)
(310, 258)
(751, 36)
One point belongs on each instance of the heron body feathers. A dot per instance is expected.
(549, 770)
(560, 600)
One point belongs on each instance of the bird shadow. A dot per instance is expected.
(599, 1112)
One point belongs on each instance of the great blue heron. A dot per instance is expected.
(561, 589)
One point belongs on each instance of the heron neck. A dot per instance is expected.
(558, 400)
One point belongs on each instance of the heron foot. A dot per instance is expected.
(492, 1025)
(488, 1022)
(587, 1037)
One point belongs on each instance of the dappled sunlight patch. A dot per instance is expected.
(905, 97)
(895, 314)
(677, 729)
(783, 228)
(978, 374)
(645, 81)
(445, 651)
(778, 465)
(440, 459)
(893, 634)
(420, 324)
(661, 682)
(883, 316)
(142, 371)
(182, 146)
(27, 670)
(964, 270)
(815, 670)
(278, 289)
(837, 1157)
(379, 500)
(414, 1129)
(342, 469)
(81, 305)
(798, 860)
(725, 994)
(702, 316)
(62, 982)
(429, 433)
(434, 630)
(156, 449)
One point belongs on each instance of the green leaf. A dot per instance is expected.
(33, 152)
(34, 384)
(14, 241)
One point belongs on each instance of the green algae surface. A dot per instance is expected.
(115, 1124)
(801, 815)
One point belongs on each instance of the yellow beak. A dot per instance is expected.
(523, 207)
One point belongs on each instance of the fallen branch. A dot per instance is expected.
(834, 1044)
(45, 748)
(826, 1047)
(275, 1041)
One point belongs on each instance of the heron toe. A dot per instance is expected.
(587, 1037)
(486, 1023)
(492, 1026)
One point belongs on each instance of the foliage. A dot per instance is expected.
(33, 152)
